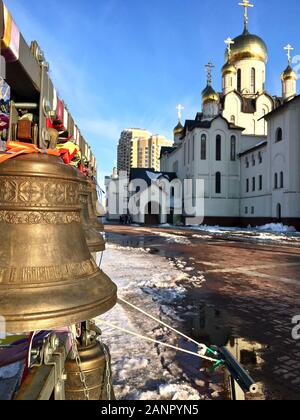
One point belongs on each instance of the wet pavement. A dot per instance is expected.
(247, 296)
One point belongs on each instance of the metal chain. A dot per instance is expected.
(78, 362)
(107, 371)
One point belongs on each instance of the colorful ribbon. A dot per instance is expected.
(68, 151)
(14, 148)
(10, 44)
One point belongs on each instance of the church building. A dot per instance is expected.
(245, 144)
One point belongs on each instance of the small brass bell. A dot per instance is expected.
(94, 238)
(95, 364)
(94, 221)
(48, 277)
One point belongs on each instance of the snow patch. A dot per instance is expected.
(152, 176)
(142, 370)
(276, 227)
(174, 238)
(178, 392)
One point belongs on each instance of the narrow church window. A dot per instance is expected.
(232, 119)
(233, 148)
(253, 80)
(193, 151)
(247, 162)
(218, 183)
(253, 184)
(281, 180)
(279, 211)
(247, 185)
(260, 157)
(260, 182)
(279, 135)
(239, 80)
(246, 210)
(252, 210)
(218, 147)
(203, 147)
(276, 181)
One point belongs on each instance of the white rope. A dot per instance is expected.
(203, 346)
(109, 324)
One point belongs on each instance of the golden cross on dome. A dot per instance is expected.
(229, 42)
(209, 67)
(246, 4)
(179, 109)
(289, 49)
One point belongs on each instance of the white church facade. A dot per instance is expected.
(245, 143)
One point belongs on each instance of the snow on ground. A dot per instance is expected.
(273, 232)
(143, 370)
(174, 238)
(276, 227)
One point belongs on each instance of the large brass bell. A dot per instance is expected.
(94, 238)
(48, 277)
(95, 364)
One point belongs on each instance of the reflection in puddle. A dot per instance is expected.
(209, 326)
(146, 243)
(247, 353)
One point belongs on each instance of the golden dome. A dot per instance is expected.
(209, 95)
(178, 129)
(228, 69)
(247, 46)
(288, 74)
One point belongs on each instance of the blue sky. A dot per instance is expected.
(127, 63)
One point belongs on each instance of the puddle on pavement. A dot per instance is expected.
(148, 243)
(209, 326)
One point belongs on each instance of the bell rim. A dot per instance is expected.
(61, 318)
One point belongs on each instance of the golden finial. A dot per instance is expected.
(229, 42)
(289, 49)
(246, 4)
(209, 67)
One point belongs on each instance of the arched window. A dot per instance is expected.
(279, 135)
(233, 148)
(239, 80)
(253, 80)
(218, 183)
(276, 181)
(279, 212)
(265, 122)
(218, 147)
(281, 180)
(203, 147)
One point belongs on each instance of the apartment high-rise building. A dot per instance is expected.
(140, 149)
